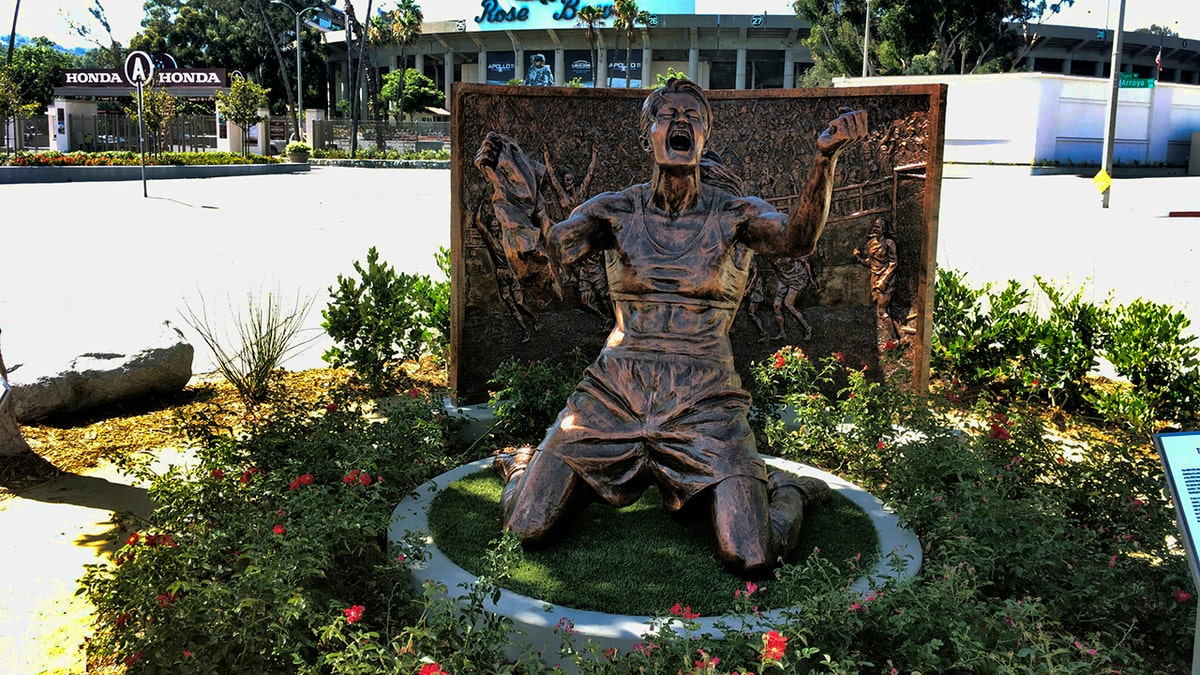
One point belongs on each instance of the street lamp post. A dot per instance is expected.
(299, 71)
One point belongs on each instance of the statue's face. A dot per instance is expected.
(679, 131)
(569, 181)
(877, 228)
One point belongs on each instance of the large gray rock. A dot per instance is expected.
(100, 378)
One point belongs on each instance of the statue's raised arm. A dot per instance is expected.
(798, 235)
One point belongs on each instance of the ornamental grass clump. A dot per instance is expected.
(266, 335)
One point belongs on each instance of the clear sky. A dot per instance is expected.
(46, 17)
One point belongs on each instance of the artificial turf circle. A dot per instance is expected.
(636, 560)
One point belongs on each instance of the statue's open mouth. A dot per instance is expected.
(679, 140)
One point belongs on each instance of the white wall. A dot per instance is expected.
(1019, 118)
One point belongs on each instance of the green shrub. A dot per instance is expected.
(297, 146)
(529, 396)
(977, 333)
(384, 317)
(1146, 344)
(265, 542)
(376, 153)
(1002, 344)
(1062, 349)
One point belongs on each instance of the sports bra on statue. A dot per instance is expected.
(702, 267)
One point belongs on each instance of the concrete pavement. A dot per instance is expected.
(95, 266)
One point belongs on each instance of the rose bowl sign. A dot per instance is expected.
(526, 14)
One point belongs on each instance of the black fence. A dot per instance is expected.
(25, 133)
(399, 136)
(100, 132)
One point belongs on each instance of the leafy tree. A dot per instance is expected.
(417, 93)
(37, 68)
(242, 103)
(962, 35)
(400, 26)
(591, 16)
(835, 39)
(1155, 29)
(672, 74)
(11, 104)
(158, 107)
(108, 53)
(233, 34)
(627, 17)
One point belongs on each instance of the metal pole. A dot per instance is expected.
(867, 42)
(142, 137)
(1113, 94)
(299, 85)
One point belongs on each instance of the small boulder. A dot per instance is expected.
(99, 378)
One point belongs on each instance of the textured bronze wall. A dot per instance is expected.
(768, 138)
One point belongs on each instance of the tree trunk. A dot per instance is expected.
(12, 443)
(628, 56)
(12, 34)
(354, 27)
(283, 76)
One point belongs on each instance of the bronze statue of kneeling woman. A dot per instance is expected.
(662, 404)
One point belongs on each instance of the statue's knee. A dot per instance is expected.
(755, 564)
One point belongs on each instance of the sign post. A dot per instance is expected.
(1180, 455)
(139, 68)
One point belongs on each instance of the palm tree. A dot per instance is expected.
(405, 22)
(627, 17)
(591, 16)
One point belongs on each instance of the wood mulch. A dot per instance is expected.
(77, 443)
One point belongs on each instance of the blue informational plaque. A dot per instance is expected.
(1180, 455)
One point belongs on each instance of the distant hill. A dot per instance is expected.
(22, 40)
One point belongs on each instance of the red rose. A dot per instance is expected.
(279, 529)
(217, 474)
(780, 361)
(364, 478)
(774, 646)
(1182, 596)
(353, 613)
(432, 669)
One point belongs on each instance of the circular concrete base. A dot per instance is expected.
(534, 620)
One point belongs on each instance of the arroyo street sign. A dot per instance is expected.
(1131, 81)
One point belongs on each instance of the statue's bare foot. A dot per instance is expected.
(814, 491)
(808, 332)
(509, 465)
